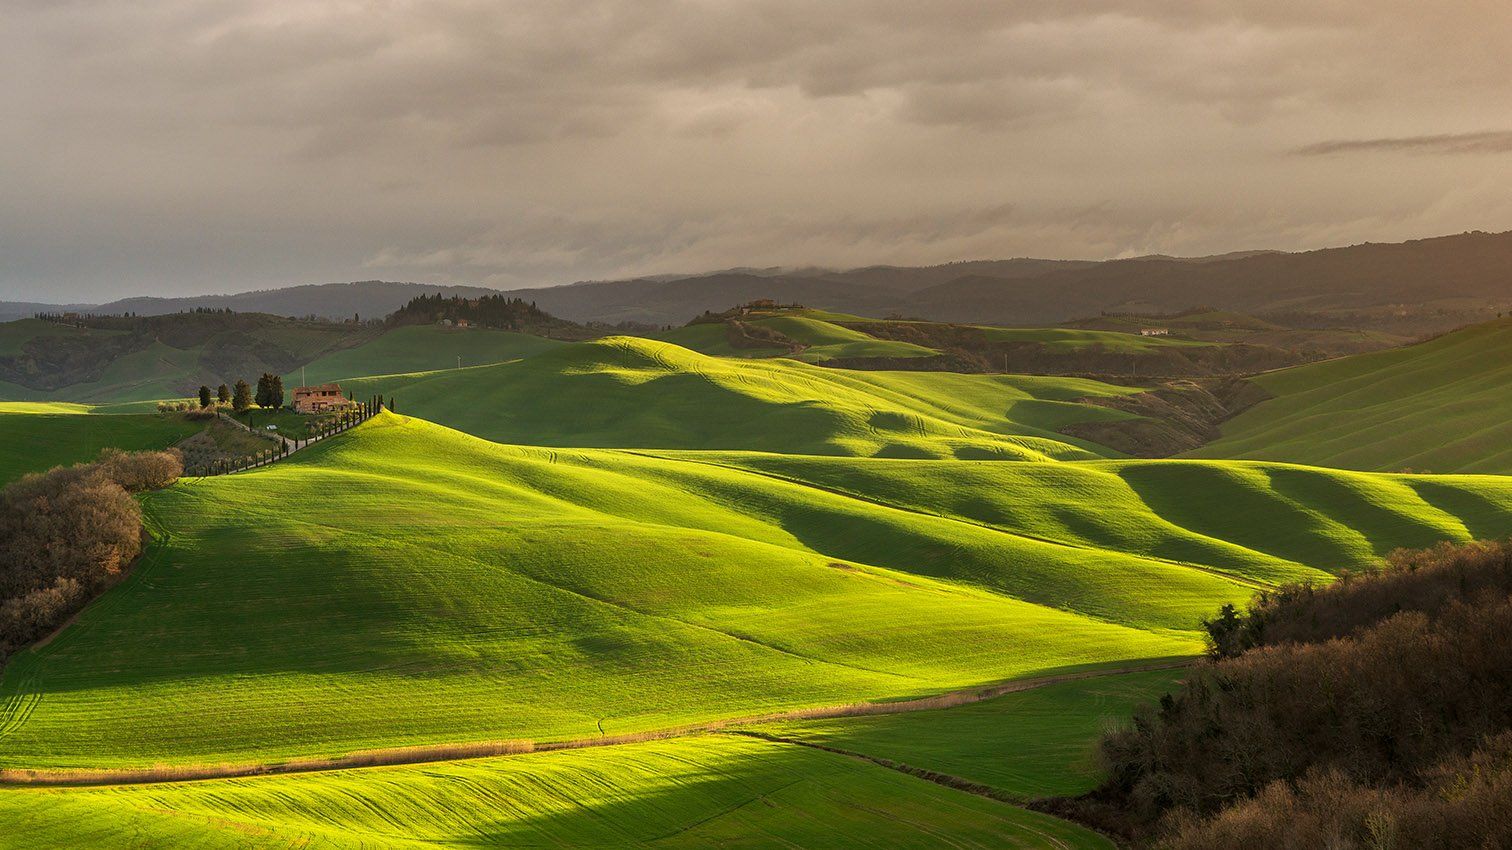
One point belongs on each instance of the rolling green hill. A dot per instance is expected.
(816, 335)
(1036, 743)
(1441, 406)
(157, 357)
(631, 392)
(421, 348)
(411, 585)
(41, 435)
(716, 791)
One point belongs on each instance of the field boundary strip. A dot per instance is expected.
(397, 756)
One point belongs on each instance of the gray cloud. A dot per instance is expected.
(1499, 141)
(185, 144)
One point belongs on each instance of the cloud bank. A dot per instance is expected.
(179, 147)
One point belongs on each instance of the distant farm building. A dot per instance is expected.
(464, 323)
(318, 399)
(445, 323)
(1154, 331)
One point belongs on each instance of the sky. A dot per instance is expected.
(165, 147)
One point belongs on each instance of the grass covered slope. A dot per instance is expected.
(1037, 743)
(41, 435)
(1440, 406)
(1263, 522)
(817, 336)
(413, 585)
(422, 348)
(716, 791)
(631, 392)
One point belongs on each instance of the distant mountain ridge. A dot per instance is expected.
(1444, 280)
(371, 299)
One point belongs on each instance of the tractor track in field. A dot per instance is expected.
(397, 756)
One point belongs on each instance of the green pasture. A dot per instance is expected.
(1036, 743)
(709, 791)
(408, 584)
(40, 435)
(1440, 406)
(637, 393)
(420, 349)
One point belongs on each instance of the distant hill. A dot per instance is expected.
(370, 299)
(1417, 286)
(1441, 406)
(1409, 288)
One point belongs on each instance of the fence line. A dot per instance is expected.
(344, 421)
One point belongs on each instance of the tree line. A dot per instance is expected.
(1375, 712)
(69, 533)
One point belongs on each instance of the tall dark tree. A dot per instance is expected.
(222, 394)
(265, 390)
(204, 395)
(242, 398)
(270, 391)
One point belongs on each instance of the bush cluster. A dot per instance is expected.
(1362, 714)
(67, 533)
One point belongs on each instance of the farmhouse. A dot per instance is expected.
(318, 398)
(1154, 331)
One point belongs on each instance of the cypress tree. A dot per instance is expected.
(242, 398)
(222, 394)
(265, 390)
(204, 396)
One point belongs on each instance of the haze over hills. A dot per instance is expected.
(367, 298)
(1432, 283)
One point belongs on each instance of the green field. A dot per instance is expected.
(1037, 743)
(828, 336)
(420, 349)
(40, 435)
(819, 334)
(713, 791)
(1441, 406)
(413, 585)
(199, 350)
(626, 536)
(636, 393)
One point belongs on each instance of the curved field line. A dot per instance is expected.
(1254, 584)
(393, 756)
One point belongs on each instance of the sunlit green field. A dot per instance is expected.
(413, 585)
(627, 392)
(1441, 406)
(826, 336)
(662, 539)
(1037, 743)
(40, 435)
(709, 791)
(419, 349)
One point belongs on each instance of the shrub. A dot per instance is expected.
(1423, 580)
(66, 534)
(138, 471)
(1351, 696)
(1466, 801)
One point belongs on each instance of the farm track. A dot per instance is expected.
(397, 756)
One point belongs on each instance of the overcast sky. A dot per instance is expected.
(167, 147)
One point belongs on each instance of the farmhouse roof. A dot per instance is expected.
(318, 388)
